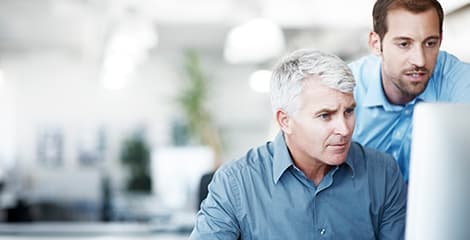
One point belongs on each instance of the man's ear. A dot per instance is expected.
(375, 43)
(283, 120)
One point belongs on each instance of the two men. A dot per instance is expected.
(406, 68)
(312, 181)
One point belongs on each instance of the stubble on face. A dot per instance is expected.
(406, 86)
(409, 53)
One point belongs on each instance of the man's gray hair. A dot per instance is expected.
(289, 74)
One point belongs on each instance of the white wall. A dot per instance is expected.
(56, 89)
(62, 89)
(456, 36)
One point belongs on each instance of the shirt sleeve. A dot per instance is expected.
(217, 219)
(458, 80)
(392, 225)
(452, 79)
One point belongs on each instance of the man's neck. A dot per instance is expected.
(313, 170)
(316, 175)
(393, 94)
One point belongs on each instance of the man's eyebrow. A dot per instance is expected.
(325, 109)
(432, 38)
(401, 38)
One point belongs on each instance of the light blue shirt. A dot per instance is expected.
(264, 196)
(387, 127)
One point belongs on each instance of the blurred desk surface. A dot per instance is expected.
(94, 231)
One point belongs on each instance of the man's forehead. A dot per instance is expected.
(398, 15)
(406, 24)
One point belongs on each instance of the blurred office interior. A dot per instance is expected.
(113, 111)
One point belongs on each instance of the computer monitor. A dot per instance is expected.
(439, 183)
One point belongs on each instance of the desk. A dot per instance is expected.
(89, 231)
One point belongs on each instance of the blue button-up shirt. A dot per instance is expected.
(388, 127)
(265, 196)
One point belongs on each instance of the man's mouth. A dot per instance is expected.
(338, 145)
(416, 76)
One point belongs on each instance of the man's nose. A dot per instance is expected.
(342, 127)
(417, 56)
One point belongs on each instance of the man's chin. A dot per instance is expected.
(413, 93)
(413, 89)
(337, 158)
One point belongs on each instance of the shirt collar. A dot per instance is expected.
(282, 159)
(426, 96)
(375, 95)
(350, 159)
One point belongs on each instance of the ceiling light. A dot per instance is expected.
(255, 41)
(127, 47)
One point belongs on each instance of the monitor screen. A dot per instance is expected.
(439, 184)
(177, 172)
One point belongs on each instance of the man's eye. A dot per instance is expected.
(349, 111)
(431, 44)
(324, 116)
(403, 44)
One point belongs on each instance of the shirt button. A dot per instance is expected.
(322, 231)
(398, 134)
(407, 112)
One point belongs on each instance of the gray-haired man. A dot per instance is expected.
(312, 181)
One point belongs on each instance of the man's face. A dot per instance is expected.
(320, 131)
(409, 52)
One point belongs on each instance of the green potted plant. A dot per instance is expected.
(135, 155)
(192, 101)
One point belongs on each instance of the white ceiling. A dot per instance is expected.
(83, 26)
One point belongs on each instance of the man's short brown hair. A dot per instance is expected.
(382, 8)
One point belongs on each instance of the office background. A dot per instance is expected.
(95, 127)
